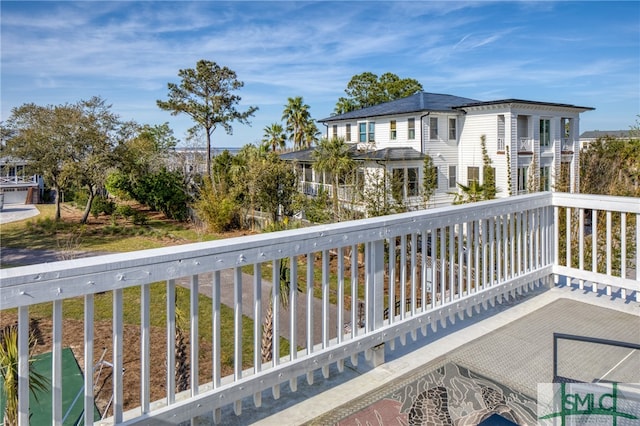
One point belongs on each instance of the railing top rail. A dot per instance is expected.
(598, 202)
(104, 273)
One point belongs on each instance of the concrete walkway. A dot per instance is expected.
(16, 212)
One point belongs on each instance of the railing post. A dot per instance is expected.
(375, 296)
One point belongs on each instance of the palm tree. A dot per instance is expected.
(9, 372)
(266, 347)
(470, 193)
(311, 134)
(274, 137)
(332, 156)
(297, 117)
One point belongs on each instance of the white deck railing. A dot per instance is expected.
(445, 263)
(18, 180)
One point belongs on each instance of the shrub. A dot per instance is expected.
(219, 212)
(102, 204)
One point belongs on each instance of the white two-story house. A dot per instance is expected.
(529, 144)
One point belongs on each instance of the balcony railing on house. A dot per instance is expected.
(525, 145)
(346, 193)
(376, 280)
(567, 146)
(501, 145)
(18, 180)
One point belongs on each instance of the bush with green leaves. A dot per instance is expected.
(220, 212)
(102, 204)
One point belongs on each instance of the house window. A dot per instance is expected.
(367, 131)
(411, 128)
(392, 130)
(501, 140)
(362, 128)
(433, 128)
(405, 183)
(452, 176)
(522, 178)
(335, 130)
(412, 182)
(473, 175)
(545, 132)
(545, 174)
(453, 134)
(348, 129)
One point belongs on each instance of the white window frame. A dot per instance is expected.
(453, 174)
(411, 128)
(393, 132)
(433, 128)
(454, 128)
(348, 132)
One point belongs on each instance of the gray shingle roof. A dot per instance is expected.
(391, 154)
(594, 134)
(421, 101)
(522, 101)
(387, 154)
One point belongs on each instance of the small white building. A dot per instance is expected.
(528, 142)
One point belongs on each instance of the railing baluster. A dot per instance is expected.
(581, 244)
(594, 246)
(393, 250)
(403, 276)
(237, 323)
(276, 303)
(567, 237)
(23, 365)
(512, 245)
(354, 290)
(442, 261)
(145, 352)
(556, 239)
(637, 262)
(194, 346)
(499, 251)
(310, 306)
(414, 272)
(88, 359)
(293, 315)
(216, 337)
(237, 332)
(340, 301)
(452, 253)
(325, 298)
(257, 319)
(608, 236)
(623, 251)
(171, 341)
(118, 356)
(56, 367)
(492, 251)
(424, 278)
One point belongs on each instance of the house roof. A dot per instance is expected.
(521, 101)
(390, 154)
(436, 102)
(595, 134)
(387, 154)
(421, 101)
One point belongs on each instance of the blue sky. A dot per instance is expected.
(579, 52)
